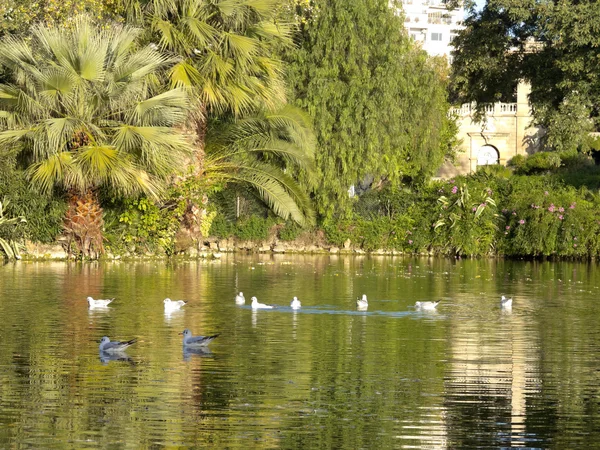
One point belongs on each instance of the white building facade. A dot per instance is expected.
(429, 22)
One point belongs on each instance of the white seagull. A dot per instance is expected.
(362, 303)
(505, 303)
(256, 305)
(295, 303)
(240, 299)
(196, 341)
(427, 306)
(115, 346)
(98, 303)
(173, 305)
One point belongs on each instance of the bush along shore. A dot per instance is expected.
(488, 214)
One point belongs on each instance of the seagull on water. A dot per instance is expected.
(295, 303)
(256, 305)
(173, 305)
(505, 303)
(196, 341)
(98, 303)
(108, 346)
(362, 303)
(240, 299)
(427, 306)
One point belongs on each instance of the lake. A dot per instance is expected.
(468, 375)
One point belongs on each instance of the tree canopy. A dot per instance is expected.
(552, 44)
(84, 112)
(378, 102)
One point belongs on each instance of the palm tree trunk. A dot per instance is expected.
(84, 225)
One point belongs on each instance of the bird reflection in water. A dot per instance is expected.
(106, 357)
(189, 352)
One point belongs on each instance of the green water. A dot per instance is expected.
(327, 376)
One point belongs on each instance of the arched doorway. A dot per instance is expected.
(488, 154)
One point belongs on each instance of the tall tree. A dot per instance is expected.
(226, 52)
(552, 44)
(377, 101)
(227, 61)
(84, 114)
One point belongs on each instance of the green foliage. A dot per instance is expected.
(480, 214)
(18, 16)
(467, 223)
(44, 213)
(142, 225)
(517, 161)
(539, 162)
(289, 231)
(9, 247)
(555, 46)
(221, 227)
(378, 102)
(546, 218)
(83, 111)
(569, 125)
(253, 228)
(269, 152)
(495, 170)
(225, 49)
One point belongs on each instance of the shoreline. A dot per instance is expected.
(215, 249)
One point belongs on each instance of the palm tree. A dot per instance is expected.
(227, 50)
(85, 112)
(270, 152)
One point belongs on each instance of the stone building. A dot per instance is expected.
(506, 131)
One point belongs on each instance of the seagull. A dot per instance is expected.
(426, 306)
(196, 341)
(239, 299)
(362, 303)
(115, 346)
(295, 303)
(98, 303)
(505, 303)
(171, 305)
(256, 305)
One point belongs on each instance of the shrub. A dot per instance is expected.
(289, 231)
(539, 162)
(221, 228)
(253, 228)
(44, 213)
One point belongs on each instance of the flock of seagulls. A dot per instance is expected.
(198, 342)
(362, 304)
(108, 349)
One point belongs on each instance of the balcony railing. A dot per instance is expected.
(497, 109)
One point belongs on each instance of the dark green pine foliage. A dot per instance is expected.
(378, 102)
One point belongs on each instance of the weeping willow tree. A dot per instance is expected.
(378, 102)
(84, 113)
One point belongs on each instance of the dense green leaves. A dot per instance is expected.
(226, 50)
(378, 102)
(83, 112)
(270, 152)
(554, 45)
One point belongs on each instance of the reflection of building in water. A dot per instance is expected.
(492, 370)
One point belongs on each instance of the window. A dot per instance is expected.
(436, 36)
